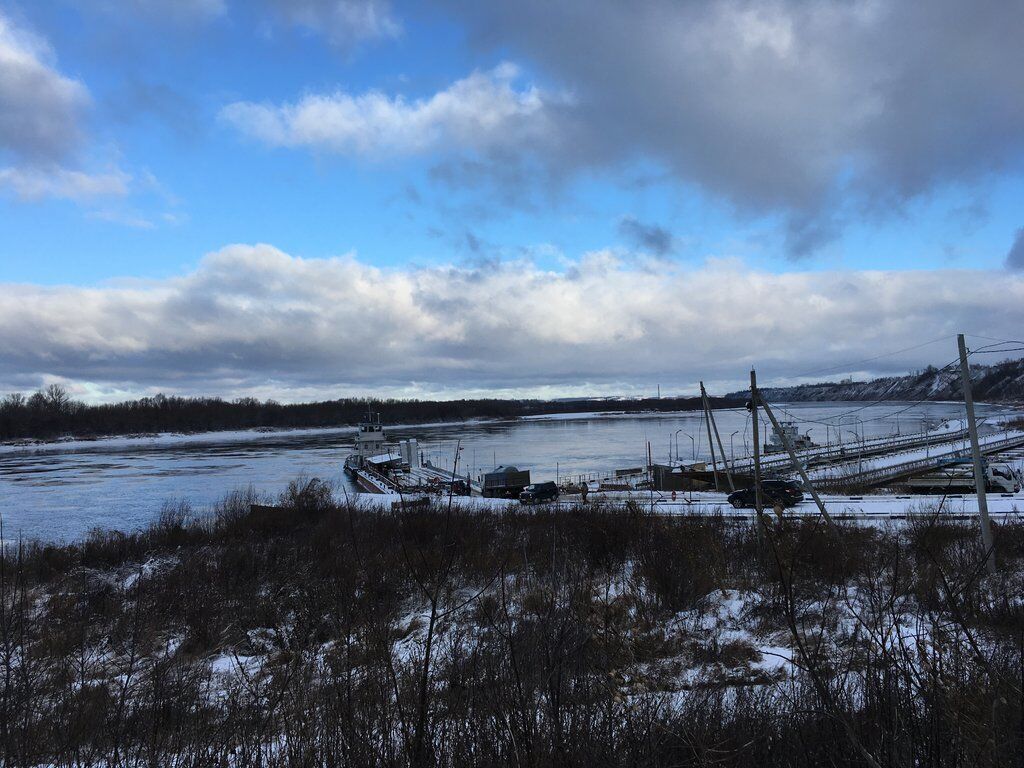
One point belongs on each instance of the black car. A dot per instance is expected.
(785, 492)
(538, 492)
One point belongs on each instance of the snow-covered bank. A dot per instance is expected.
(217, 436)
(876, 507)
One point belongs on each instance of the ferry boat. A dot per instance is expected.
(799, 442)
(371, 457)
(376, 467)
(370, 441)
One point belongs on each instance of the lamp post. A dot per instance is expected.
(732, 451)
(676, 435)
(693, 444)
(855, 420)
(860, 453)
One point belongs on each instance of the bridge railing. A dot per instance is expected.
(882, 474)
(855, 449)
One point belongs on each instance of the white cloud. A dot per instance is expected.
(34, 183)
(125, 219)
(40, 109)
(482, 112)
(254, 319)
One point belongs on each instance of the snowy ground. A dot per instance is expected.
(869, 507)
(222, 436)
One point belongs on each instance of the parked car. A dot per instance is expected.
(538, 492)
(786, 492)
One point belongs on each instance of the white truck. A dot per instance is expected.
(999, 478)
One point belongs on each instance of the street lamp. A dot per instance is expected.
(855, 420)
(676, 435)
(693, 444)
(860, 453)
(732, 451)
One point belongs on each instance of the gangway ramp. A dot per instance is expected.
(829, 454)
(899, 466)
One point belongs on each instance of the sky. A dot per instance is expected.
(304, 199)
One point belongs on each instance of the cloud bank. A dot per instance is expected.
(253, 319)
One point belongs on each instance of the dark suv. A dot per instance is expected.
(786, 492)
(538, 492)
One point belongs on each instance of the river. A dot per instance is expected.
(59, 491)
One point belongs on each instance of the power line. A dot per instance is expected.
(846, 366)
(871, 404)
(989, 338)
(987, 349)
(981, 350)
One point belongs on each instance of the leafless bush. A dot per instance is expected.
(450, 637)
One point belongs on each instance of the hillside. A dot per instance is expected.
(1002, 382)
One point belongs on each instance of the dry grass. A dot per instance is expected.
(328, 635)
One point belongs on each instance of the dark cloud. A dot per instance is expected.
(473, 243)
(166, 104)
(817, 111)
(647, 237)
(412, 194)
(1015, 257)
(41, 110)
(971, 215)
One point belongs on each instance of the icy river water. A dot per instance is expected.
(60, 491)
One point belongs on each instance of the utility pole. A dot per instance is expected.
(757, 444)
(650, 468)
(707, 423)
(721, 449)
(979, 469)
(797, 463)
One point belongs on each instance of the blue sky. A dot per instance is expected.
(781, 140)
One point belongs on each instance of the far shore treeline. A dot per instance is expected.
(51, 412)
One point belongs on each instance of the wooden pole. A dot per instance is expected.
(797, 465)
(721, 448)
(707, 423)
(650, 469)
(979, 469)
(757, 444)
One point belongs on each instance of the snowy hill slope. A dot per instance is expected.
(1002, 382)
